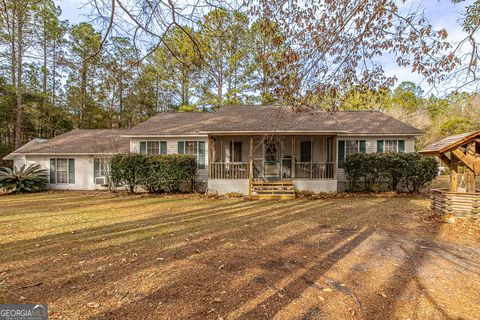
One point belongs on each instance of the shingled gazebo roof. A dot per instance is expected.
(449, 143)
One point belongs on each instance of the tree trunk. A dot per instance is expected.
(13, 46)
(220, 84)
(18, 87)
(120, 109)
(54, 71)
(83, 95)
(44, 113)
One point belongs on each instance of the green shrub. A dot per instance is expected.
(419, 172)
(168, 172)
(354, 171)
(25, 179)
(156, 173)
(363, 171)
(128, 169)
(394, 168)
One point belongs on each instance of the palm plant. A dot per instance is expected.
(25, 179)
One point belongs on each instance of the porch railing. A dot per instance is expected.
(240, 170)
(314, 170)
(229, 170)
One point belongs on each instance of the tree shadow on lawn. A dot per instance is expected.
(49, 247)
(72, 206)
(193, 295)
(144, 207)
(46, 245)
(192, 292)
(56, 274)
(399, 286)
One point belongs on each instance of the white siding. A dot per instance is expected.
(172, 148)
(371, 146)
(84, 163)
(83, 171)
(19, 161)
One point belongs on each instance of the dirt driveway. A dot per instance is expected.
(102, 256)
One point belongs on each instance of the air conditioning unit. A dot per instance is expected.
(101, 181)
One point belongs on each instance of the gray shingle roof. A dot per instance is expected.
(78, 142)
(449, 143)
(373, 122)
(174, 123)
(230, 119)
(271, 119)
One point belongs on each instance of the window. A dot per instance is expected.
(191, 147)
(100, 168)
(62, 170)
(153, 147)
(388, 146)
(349, 147)
(236, 151)
(196, 148)
(305, 151)
(271, 151)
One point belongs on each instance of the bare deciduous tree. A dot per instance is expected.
(335, 43)
(467, 75)
(332, 44)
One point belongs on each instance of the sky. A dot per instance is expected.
(441, 14)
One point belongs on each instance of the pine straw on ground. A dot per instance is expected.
(103, 256)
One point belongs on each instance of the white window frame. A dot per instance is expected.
(197, 154)
(194, 145)
(56, 171)
(103, 165)
(154, 145)
(350, 153)
(159, 142)
(385, 145)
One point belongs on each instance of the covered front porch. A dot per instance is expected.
(237, 162)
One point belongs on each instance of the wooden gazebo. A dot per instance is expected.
(459, 150)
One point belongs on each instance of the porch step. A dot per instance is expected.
(273, 197)
(281, 190)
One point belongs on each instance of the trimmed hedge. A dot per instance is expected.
(407, 171)
(128, 169)
(155, 173)
(168, 172)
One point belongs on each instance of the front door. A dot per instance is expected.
(271, 163)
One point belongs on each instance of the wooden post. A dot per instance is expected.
(209, 161)
(311, 157)
(470, 172)
(334, 157)
(324, 157)
(250, 171)
(222, 166)
(453, 173)
(294, 154)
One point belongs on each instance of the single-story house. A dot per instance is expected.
(237, 147)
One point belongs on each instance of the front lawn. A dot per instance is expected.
(97, 255)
